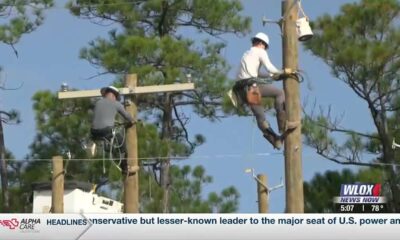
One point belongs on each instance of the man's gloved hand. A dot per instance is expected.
(278, 76)
(282, 74)
(130, 124)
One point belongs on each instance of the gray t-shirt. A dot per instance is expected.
(105, 111)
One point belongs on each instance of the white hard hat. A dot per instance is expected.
(112, 89)
(263, 37)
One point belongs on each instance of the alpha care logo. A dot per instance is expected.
(10, 223)
(28, 224)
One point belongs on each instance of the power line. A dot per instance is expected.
(74, 4)
(152, 158)
(185, 158)
(85, 5)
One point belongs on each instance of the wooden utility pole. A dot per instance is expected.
(3, 172)
(131, 180)
(57, 187)
(293, 144)
(262, 193)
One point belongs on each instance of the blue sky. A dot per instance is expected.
(49, 56)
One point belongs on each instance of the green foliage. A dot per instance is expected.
(10, 117)
(360, 45)
(14, 174)
(18, 17)
(21, 17)
(52, 116)
(153, 43)
(160, 17)
(63, 125)
(320, 191)
(317, 136)
(186, 195)
(153, 39)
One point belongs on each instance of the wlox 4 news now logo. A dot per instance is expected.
(360, 193)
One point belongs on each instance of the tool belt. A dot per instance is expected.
(248, 91)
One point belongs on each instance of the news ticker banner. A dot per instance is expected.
(199, 226)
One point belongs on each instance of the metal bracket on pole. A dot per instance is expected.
(269, 189)
(265, 20)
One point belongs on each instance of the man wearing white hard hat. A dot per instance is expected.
(251, 62)
(103, 121)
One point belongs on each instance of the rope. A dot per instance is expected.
(301, 10)
(264, 80)
(298, 75)
(114, 144)
(118, 129)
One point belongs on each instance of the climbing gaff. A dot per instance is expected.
(395, 145)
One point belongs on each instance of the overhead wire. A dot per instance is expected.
(74, 4)
(301, 79)
(155, 158)
(260, 154)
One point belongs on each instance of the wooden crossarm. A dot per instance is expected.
(178, 87)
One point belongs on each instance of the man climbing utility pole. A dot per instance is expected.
(131, 196)
(293, 144)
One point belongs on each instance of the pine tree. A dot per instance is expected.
(18, 18)
(322, 188)
(153, 39)
(360, 45)
(63, 126)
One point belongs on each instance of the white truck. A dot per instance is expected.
(79, 197)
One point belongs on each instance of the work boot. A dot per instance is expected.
(283, 124)
(281, 120)
(271, 136)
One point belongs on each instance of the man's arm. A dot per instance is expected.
(267, 63)
(124, 114)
